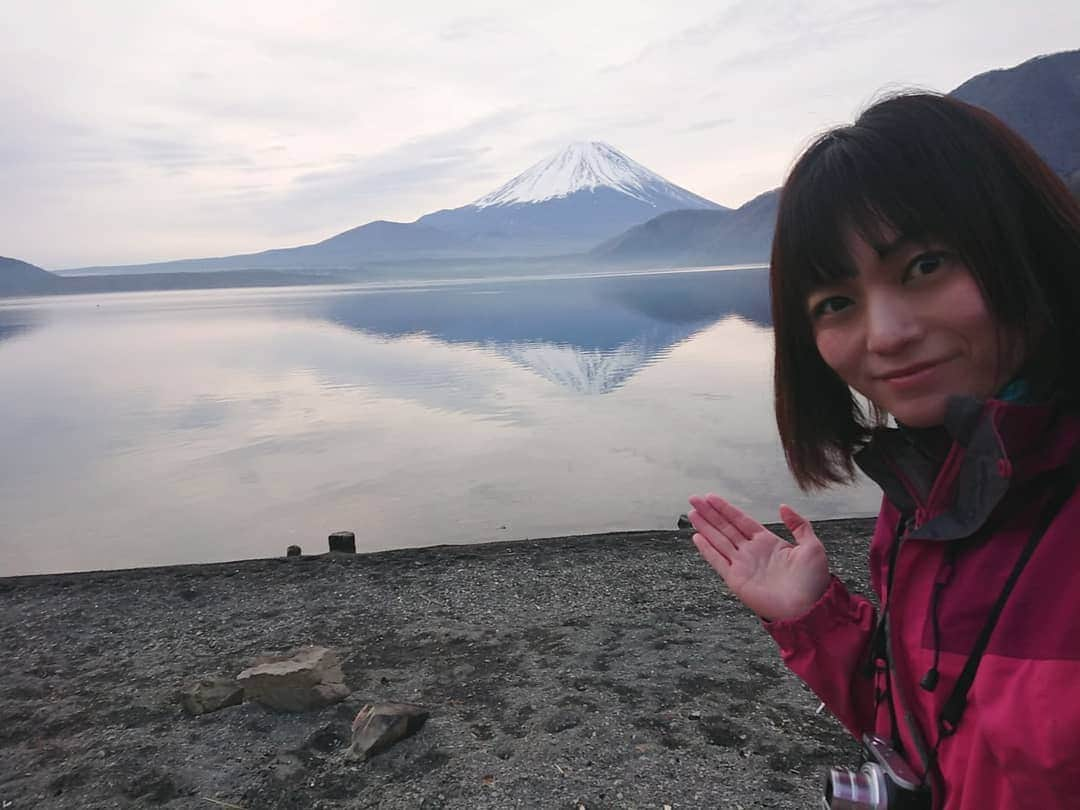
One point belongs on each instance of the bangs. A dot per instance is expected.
(856, 184)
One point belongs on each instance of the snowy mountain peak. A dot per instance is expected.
(586, 166)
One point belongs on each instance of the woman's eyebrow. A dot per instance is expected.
(841, 269)
(886, 249)
(822, 282)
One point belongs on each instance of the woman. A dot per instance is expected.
(927, 260)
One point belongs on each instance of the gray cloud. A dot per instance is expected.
(434, 162)
(464, 28)
(175, 154)
(712, 123)
(635, 121)
(69, 145)
(768, 30)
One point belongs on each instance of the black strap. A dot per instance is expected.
(956, 703)
(878, 648)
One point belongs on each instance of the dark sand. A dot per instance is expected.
(609, 671)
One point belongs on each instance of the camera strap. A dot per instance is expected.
(954, 707)
(880, 644)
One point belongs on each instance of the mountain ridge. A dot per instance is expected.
(563, 204)
(1039, 98)
(22, 278)
(687, 238)
(1021, 96)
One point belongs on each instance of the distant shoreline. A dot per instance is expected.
(164, 282)
(65, 285)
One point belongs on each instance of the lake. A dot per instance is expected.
(159, 428)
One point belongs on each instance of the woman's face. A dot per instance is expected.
(909, 329)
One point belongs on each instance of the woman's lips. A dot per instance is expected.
(912, 376)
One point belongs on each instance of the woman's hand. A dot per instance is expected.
(775, 579)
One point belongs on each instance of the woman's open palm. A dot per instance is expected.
(774, 578)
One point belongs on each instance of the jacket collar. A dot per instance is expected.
(950, 479)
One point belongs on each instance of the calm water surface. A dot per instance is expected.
(155, 428)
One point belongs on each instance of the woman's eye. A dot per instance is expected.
(830, 306)
(925, 265)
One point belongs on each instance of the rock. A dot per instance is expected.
(380, 725)
(293, 551)
(683, 523)
(299, 699)
(308, 678)
(343, 541)
(202, 697)
(306, 666)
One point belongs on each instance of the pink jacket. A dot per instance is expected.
(1018, 742)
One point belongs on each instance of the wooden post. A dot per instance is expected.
(343, 541)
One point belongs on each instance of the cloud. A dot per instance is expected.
(712, 123)
(175, 154)
(60, 144)
(417, 168)
(751, 32)
(464, 28)
(635, 121)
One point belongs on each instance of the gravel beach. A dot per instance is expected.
(603, 671)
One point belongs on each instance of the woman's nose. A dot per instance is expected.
(891, 325)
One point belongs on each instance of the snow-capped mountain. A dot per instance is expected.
(586, 166)
(567, 203)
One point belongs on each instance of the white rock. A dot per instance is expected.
(308, 678)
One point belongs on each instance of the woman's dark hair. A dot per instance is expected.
(922, 166)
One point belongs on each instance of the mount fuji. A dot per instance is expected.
(586, 166)
(569, 202)
(565, 204)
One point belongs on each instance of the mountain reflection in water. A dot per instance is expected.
(589, 335)
(15, 322)
(156, 428)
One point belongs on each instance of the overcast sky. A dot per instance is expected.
(141, 130)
